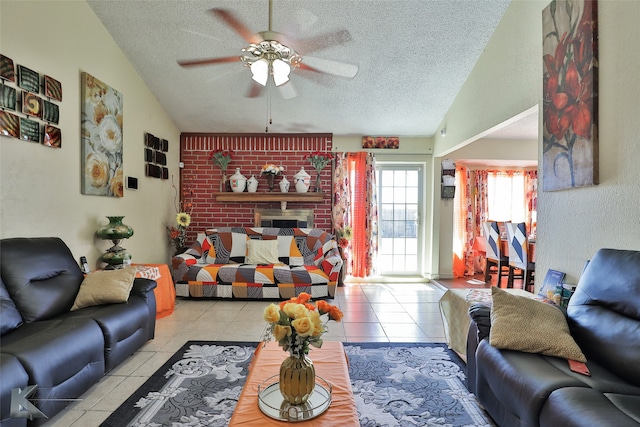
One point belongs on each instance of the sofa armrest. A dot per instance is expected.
(143, 286)
(332, 261)
(180, 265)
(481, 315)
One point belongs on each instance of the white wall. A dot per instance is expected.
(40, 186)
(506, 81)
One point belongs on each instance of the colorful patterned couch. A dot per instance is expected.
(259, 263)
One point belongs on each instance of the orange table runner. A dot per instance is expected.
(165, 292)
(331, 364)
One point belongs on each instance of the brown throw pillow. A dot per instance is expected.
(105, 287)
(529, 325)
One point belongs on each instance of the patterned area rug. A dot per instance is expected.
(393, 385)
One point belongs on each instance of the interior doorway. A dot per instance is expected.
(400, 204)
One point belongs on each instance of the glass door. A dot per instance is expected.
(400, 212)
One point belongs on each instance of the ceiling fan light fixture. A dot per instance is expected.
(260, 71)
(280, 71)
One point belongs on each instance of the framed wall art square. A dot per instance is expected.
(50, 112)
(29, 130)
(9, 124)
(52, 137)
(7, 97)
(52, 88)
(7, 69)
(31, 104)
(28, 79)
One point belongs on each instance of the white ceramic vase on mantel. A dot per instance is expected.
(284, 184)
(302, 180)
(252, 184)
(238, 182)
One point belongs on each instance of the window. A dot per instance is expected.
(506, 196)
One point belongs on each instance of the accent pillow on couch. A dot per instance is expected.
(262, 252)
(532, 326)
(105, 287)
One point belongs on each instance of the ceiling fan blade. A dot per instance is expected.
(255, 90)
(208, 61)
(231, 20)
(287, 90)
(328, 66)
(323, 41)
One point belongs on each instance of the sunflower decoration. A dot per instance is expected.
(345, 234)
(183, 219)
(178, 233)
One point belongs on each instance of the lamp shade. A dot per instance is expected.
(260, 71)
(281, 72)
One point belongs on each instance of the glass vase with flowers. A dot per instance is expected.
(297, 324)
(222, 158)
(178, 232)
(271, 171)
(318, 160)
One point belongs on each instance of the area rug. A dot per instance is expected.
(415, 384)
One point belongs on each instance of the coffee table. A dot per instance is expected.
(331, 363)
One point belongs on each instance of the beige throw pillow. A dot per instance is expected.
(262, 252)
(529, 325)
(105, 287)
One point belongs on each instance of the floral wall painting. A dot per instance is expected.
(380, 142)
(101, 134)
(570, 110)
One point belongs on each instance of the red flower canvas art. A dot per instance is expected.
(570, 143)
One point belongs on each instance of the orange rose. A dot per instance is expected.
(323, 306)
(335, 313)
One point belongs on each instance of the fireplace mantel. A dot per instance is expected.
(265, 197)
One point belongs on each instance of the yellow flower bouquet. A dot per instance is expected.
(297, 323)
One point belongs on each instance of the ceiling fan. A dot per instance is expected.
(271, 56)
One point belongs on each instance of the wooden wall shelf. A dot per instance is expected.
(265, 197)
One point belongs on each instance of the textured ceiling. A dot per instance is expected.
(413, 57)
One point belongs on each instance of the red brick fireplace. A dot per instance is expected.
(200, 178)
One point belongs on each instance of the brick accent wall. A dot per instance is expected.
(200, 178)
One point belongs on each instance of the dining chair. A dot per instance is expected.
(494, 256)
(519, 264)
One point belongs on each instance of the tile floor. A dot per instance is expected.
(400, 312)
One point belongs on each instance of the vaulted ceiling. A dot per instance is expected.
(412, 56)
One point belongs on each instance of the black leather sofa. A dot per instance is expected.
(524, 389)
(45, 344)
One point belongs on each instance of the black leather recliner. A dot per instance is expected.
(524, 389)
(64, 353)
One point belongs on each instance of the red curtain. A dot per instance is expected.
(355, 204)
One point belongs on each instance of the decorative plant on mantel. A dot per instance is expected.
(222, 158)
(318, 160)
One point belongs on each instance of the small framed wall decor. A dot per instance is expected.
(50, 112)
(7, 69)
(31, 104)
(9, 124)
(7, 97)
(28, 79)
(155, 156)
(380, 142)
(52, 88)
(52, 137)
(29, 130)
